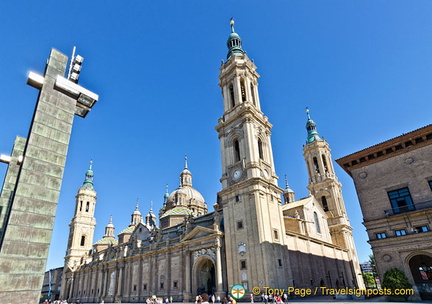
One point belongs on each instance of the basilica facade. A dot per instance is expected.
(256, 234)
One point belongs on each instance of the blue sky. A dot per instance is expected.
(364, 68)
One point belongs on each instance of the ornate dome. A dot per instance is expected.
(190, 196)
(185, 200)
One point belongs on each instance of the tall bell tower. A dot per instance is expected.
(83, 223)
(250, 196)
(325, 187)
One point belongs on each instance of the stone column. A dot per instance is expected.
(71, 286)
(219, 288)
(103, 282)
(119, 292)
(187, 284)
(150, 286)
(140, 278)
(168, 273)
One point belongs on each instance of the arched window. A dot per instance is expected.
(324, 203)
(253, 94)
(260, 149)
(236, 150)
(87, 206)
(243, 89)
(80, 209)
(325, 163)
(315, 162)
(231, 92)
(82, 240)
(317, 225)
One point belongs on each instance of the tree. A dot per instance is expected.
(373, 266)
(369, 279)
(396, 279)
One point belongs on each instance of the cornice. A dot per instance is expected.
(393, 147)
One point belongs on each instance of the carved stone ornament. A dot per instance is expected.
(210, 252)
(363, 175)
(387, 258)
(409, 160)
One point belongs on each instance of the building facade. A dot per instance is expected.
(393, 180)
(258, 235)
(51, 285)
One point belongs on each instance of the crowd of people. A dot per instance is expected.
(205, 299)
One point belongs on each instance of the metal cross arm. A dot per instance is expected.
(85, 98)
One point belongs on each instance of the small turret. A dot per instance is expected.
(136, 216)
(288, 194)
(151, 217)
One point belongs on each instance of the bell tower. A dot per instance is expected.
(323, 183)
(83, 223)
(325, 187)
(250, 196)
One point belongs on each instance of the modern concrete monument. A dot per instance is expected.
(31, 189)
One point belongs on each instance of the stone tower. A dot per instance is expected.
(250, 196)
(325, 187)
(83, 223)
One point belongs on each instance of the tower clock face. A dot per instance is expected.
(237, 174)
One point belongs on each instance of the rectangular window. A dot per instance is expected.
(134, 287)
(401, 200)
(400, 232)
(430, 184)
(280, 262)
(145, 287)
(240, 225)
(161, 285)
(175, 284)
(381, 235)
(243, 264)
(421, 229)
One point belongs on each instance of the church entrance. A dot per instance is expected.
(204, 280)
(421, 270)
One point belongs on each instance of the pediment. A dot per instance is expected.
(198, 232)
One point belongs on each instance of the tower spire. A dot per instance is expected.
(88, 181)
(166, 195)
(185, 175)
(311, 129)
(234, 42)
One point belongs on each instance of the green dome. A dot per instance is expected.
(232, 36)
(311, 129)
(88, 182)
(234, 43)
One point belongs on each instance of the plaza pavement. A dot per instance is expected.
(322, 299)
